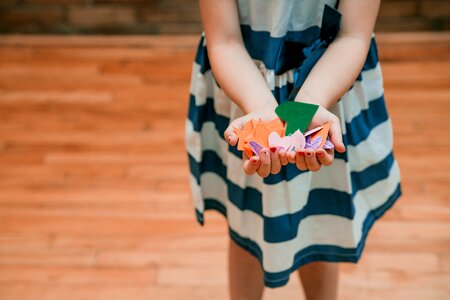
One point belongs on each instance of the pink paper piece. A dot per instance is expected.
(256, 147)
(298, 141)
(313, 130)
(277, 141)
(328, 145)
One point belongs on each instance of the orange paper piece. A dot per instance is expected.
(243, 134)
(322, 133)
(275, 123)
(257, 131)
(248, 150)
(261, 134)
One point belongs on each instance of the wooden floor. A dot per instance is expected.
(94, 195)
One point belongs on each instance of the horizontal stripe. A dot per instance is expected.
(360, 127)
(379, 143)
(319, 201)
(280, 16)
(322, 229)
(361, 93)
(279, 54)
(206, 113)
(207, 139)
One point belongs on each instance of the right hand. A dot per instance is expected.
(269, 161)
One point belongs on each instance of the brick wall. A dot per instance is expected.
(177, 16)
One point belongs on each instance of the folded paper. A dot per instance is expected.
(254, 135)
(297, 115)
(257, 134)
(322, 133)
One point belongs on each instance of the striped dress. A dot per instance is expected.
(294, 217)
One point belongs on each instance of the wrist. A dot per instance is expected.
(304, 96)
(268, 104)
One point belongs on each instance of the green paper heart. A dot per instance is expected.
(297, 115)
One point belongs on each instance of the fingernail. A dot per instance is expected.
(309, 153)
(254, 161)
(300, 153)
(273, 149)
(319, 153)
(229, 138)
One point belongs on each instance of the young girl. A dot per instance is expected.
(303, 210)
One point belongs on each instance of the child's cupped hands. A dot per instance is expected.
(271, 159)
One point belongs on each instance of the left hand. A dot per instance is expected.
(313, 160)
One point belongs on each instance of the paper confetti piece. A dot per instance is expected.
(309, 132)
(256, 147)
(298, 141)
(287, 143)
(328, 145)
(261, 134)
(323, 133)
(297, 115)
(243, 133)
(275, 140)
(313, 144)
(248, 150)
(275, 123)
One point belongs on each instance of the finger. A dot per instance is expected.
(231, 136)
(264, 166)
(275, 164)
(324, 157)
(283, 157)
(300, 160)
(336, 136)
(311, 161)
(251, 165)
(291, 157)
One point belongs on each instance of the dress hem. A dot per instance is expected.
(313, 253)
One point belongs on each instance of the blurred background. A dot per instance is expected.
(94, 182)
(177, 16)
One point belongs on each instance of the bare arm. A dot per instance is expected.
(239, 77)
(231, 64)
(341, 63)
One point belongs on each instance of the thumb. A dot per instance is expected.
(336, 136)
(230, 133)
